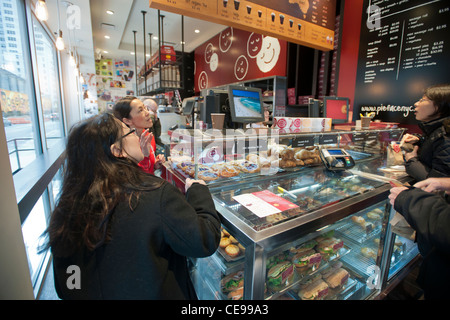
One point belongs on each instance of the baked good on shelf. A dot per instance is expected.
(237, 294)
(280, 275)
(208, 175)
(337, 278)
(232, 250)
(305, 260)
(248, 166)
(228, 170)
(224, 242)
(318, 289)
(368, 252)
(375, 214)
(232, 282)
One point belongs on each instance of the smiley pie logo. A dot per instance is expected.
(267, 57)
(203, 80)
(226, 39)
(241, 67)
(254, 44)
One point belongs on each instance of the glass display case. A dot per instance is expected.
(301, 232)
(229, 156)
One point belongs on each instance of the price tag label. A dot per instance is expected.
(303, 142)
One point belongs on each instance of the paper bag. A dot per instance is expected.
(401, 227)
(394, 155)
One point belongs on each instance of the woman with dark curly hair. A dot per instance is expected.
(430, 156)
(128, 232)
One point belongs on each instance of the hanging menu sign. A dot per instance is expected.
(404, 47)
(306, 22)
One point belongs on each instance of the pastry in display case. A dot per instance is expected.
(215, 157)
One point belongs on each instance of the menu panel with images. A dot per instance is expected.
(306, 22)
(404, 48)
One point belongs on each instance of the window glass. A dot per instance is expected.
(33, 228)
(15, 87)
(47, 68)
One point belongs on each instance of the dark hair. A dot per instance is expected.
(94, 182)
(440, 95)
(122, 108)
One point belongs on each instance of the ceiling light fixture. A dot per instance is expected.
(197, 31)
(107, 37)
(110, 12)
(60, 42)
(41, 10)
(72, 60)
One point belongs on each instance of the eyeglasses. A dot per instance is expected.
(423, 99)
(127, 134)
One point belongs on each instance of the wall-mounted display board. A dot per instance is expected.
(306, 22)
(237, 55)
(404, 48)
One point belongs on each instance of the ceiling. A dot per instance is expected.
(89, 38)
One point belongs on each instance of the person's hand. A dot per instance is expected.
(146, 140)
(409, 138)
(394, 193)
(190, 181)
(160, 159)
(434, 184)
(412, 154)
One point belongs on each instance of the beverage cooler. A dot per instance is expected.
(302, 232)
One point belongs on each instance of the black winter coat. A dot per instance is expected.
(146, 257)
(434, 152)
(429, 215)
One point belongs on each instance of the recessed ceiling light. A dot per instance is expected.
(155, 38)
(107, 37)
(197, 31)
(132, 53)
(104, 51)
(109, 12)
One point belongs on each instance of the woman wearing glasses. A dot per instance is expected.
(136, 115)
(430, 155)
(127, 233)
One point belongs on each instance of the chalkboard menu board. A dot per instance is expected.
(404, 48)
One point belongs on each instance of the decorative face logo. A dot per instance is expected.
(203, 80)
(241, 67)
(268, 56)
(226, 39)
(254, 44)
(209, 50)
(214, 62)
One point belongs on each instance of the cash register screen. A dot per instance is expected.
(335, 152)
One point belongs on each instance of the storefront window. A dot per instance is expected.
(16, 86)
(47, 67)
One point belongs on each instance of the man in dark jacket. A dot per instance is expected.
(429, 214)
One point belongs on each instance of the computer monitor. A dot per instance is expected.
(245, 104)
(188, 106)
(336, 108)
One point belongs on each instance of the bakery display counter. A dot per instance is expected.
(300, 232)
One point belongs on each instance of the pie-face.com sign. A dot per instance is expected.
(236, 55)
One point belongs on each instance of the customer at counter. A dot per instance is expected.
(128, 232)
(134, 114)
(429, 215)
(430, 154)
(156, 128)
